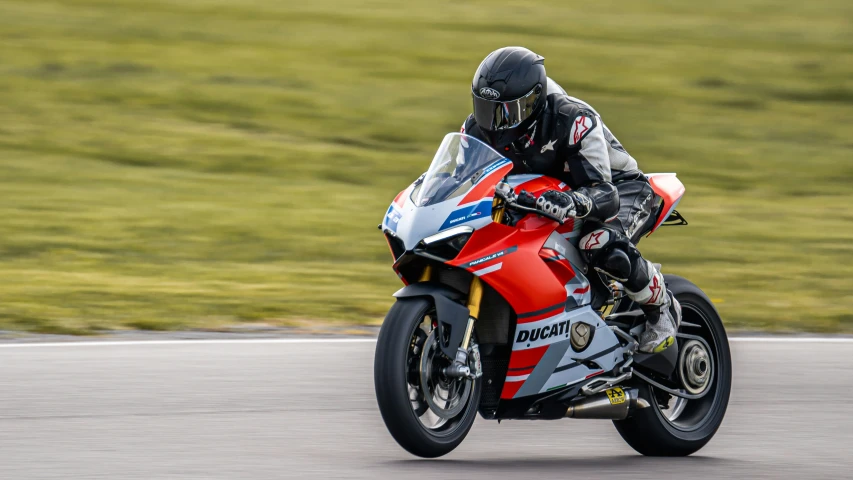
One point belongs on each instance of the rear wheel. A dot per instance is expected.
(426, 412)
(674, 426)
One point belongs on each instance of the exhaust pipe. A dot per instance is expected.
(611, 404)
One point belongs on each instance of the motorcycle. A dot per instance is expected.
(500, 315)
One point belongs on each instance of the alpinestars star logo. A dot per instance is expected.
(548, 146)
(580, 128)
(593, 237)
(656, 289)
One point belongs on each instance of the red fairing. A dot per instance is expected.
(524, 361)
(514, 251)
(670, 189)
(542, 184)
(510, 253)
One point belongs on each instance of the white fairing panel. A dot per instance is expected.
(561, 365)
(417, 223)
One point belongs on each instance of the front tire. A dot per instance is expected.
(675, 428)
(403, 340)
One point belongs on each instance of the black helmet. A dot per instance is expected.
(509, 92)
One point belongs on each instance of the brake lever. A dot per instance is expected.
(517, 207)
(505, 192)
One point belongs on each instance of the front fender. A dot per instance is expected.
(451, 314)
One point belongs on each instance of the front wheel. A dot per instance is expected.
(673, 426)
(426, 412)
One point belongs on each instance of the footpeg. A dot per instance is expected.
(600, 383)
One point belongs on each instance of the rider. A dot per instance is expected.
(530, 119)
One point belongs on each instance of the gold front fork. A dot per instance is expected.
(475, 296)
(426, 275)
(497, 210)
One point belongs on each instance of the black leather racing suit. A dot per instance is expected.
(570, 142)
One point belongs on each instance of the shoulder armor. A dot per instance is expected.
(582, 124)
(576, 117)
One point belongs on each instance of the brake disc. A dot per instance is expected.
(446, 397)
(695, 367)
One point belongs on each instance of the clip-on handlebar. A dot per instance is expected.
(505, 192)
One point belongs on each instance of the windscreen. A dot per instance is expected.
(459, 163)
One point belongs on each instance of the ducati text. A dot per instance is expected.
(554, 330)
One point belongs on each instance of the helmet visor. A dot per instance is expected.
(497, 115)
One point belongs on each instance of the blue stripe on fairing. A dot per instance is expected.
(491, 168)
(392, 218)
(475, 211)
(468, 213)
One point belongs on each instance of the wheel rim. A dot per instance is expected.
(697, 371)
(439, 403)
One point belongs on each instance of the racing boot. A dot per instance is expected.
(662, 324)
(663, 312)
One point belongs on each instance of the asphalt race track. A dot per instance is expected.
(277, 409)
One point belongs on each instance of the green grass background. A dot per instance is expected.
(204, 163)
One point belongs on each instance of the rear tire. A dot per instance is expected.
(649, 431)
(393, 382)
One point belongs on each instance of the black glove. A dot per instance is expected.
(564, 205)
(526, 199)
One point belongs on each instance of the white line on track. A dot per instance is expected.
(238, 341)
(792, 339)
(210, 341)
